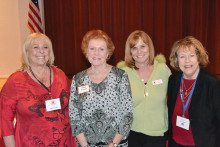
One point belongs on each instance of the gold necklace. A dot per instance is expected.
(186, 90)
(185, 97)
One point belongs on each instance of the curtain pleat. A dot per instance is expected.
(166, 21)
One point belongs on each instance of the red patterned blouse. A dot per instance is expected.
(25, 98)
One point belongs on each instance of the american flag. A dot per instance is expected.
(34, 17)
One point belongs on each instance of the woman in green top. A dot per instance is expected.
(148, 76)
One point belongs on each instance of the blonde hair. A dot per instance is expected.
(132, 40)
(189, 41)
(97, 34)
(30, 40)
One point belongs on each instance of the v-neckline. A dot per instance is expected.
(102, 80)
(152, 73)
(37, 83)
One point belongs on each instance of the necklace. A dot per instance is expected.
(145, 74)
(49, 90)
(185, 96)
(186, 90)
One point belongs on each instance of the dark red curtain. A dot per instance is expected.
(164, 20)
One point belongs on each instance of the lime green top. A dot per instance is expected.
(150, 109)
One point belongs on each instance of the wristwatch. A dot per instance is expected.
(114, 144)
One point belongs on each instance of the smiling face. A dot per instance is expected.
(188, 62)
(38, 53)
(97, 52)
(140, 52)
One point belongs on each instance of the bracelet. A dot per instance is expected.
(86, 145)
(114, 144)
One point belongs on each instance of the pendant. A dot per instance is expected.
(146, 94)
(186, 93)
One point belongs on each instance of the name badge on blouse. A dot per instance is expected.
(156, 82)
(53, 104)
(182, 122)
(83, 89)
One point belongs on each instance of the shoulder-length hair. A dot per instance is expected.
(188, 41)
(97, 34)
(30, 40)
(132, 40)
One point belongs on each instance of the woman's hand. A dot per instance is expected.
(82, 140)
(9, 141)
(111, 145)
(117, 139)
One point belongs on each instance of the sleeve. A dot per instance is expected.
(67, 89)
(167, 74)
(8, 102)
(62, 88)
(216, 96)
(169, 90)
(169, 107)
(126, 106)
(63, 79)
(75, 110)
(168, 71)
(73, 141)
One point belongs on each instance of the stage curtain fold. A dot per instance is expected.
(164, 20)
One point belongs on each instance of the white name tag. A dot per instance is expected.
(53, 104)
(83, 89)
(156, 82)
(182, 122)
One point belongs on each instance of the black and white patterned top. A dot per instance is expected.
(104, 110)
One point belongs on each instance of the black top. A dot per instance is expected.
(204, 110)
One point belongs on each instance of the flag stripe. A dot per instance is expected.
(33, 27)
(34, 17)
(30, 26)
(35, 24)
(36, 14)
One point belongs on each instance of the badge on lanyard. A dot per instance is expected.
(182, 122)
(53, 104)
(190, 96)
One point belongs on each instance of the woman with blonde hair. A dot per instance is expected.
(193, 97)
(37, 95)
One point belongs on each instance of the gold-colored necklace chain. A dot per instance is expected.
(186, 90)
